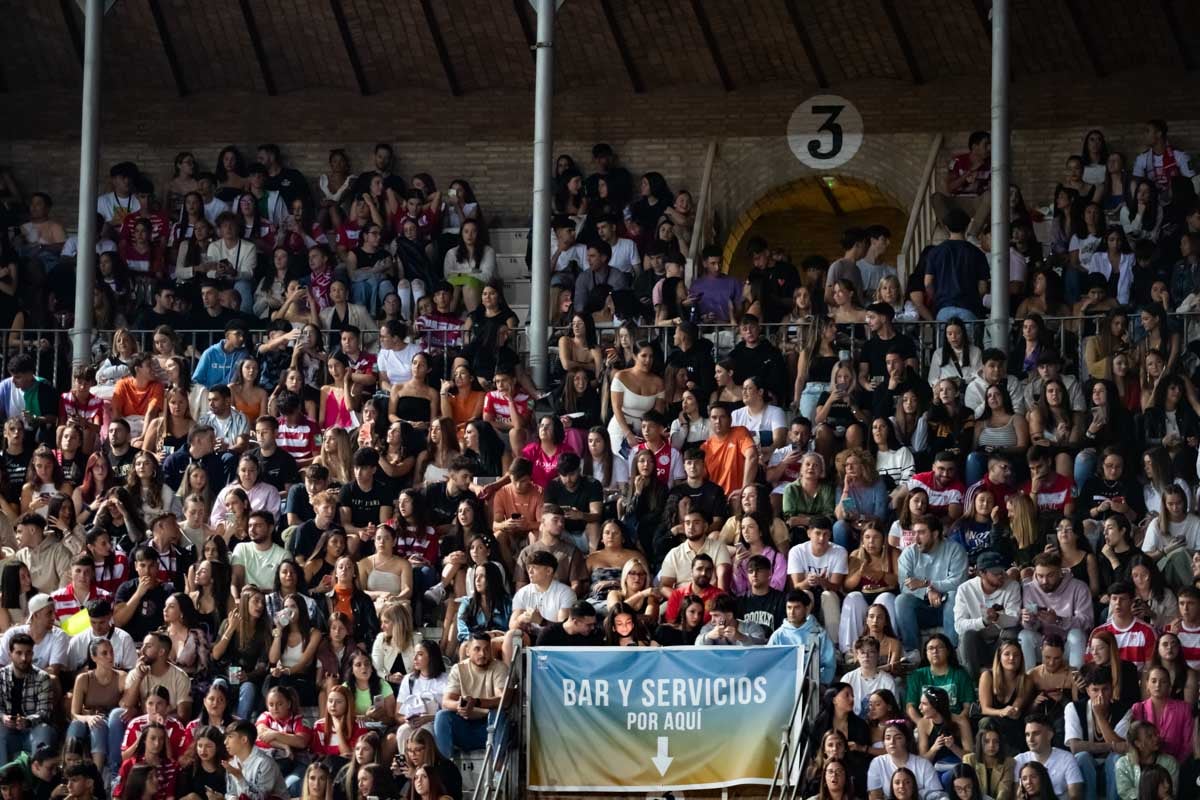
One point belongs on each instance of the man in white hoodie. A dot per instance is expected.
(993, 372)
(985, 607)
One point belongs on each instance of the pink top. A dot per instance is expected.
(545, 468)
(1174, 726)
(337, 413)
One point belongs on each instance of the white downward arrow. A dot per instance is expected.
(662, 761)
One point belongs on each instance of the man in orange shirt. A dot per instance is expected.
(517, 507)
(730, 455)
(137, 397)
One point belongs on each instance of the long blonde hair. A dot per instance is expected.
(339, 467)
(636, 561)
(1022, 520)
(401, 618)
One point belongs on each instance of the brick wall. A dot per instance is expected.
(485, 137)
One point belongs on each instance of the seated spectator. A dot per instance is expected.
(48, 560)
(867, 678)
(986, 609)
(942, 739)
(701, 585)
(931, 571)
(471, 703)
(723, 628)
(577, 630)
(252, 771)
(944, 491)
(1053, 765)
(1122, 676)
(862, 498)
(1096, 731)
(900, 759)
(802, 629)
(956, 358)
(1142, 759)
(544, 599)
(1170, 718)
(24, 700)
(820, 567)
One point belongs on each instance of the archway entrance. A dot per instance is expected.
(807, 216)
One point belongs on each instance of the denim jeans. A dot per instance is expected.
(1087, 768)
(914, 613)
(98, 735)
(247, 702)
(13, 741)
(1085, 466)
(369, 290)
(116, 733)
(1031, 647)
(245, 290)
(976, 467)
(452, 732)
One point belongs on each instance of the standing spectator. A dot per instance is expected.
(854, 245)
(956, 275)
(968, 186)
(717, 295)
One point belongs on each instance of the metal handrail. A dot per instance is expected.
(921, 222)
(500, 775)
(703, 209)
(795, 747)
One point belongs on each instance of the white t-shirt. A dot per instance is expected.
(879, 775)
(1187, 531)
(620, 473)
(864, 687)
(548, 603)
(1147, 159)
(761, 426)
(215, 208)
(576, 253)
(52, 649)
(1063, 769)
(111, 207)
(625, 256)
(802, 561)
(397, 364)
(1076, 728)
(260, 565)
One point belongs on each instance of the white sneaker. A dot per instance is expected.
(912, 657)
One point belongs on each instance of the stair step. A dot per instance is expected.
(510, 267)
(509, 241)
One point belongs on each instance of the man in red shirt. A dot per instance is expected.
(703, 573)
(1136, 640)
(668, 463)
(969, 183)
(70, 599)
(944, 488)
(997, 483)
(1187, 627)
(1049, 490)
(160, 226)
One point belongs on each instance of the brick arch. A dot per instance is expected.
(754, 176)
(853, 195)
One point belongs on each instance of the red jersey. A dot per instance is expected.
(412, 542)
(323, 743)
(502, 407)
(293, 726)
(1189, 645)
(299, 440)
(177, 735)
(66, 603)
(160, 227)
(442, 331)
(666, 461)
(348, 234)
(1135, 644)
(960, 165)
(89, 410)
(110, 575)
(940, 497)
(1052, 495)
(675, 603)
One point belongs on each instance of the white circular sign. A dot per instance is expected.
(825, 131)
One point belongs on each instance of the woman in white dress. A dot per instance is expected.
(634, 391)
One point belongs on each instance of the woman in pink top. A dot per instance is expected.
(1173, 718)
(544, 453)
(335, 400)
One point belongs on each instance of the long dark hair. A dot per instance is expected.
(481, 242)
(495, 595)
(1046, 788)
(239, 167)
(136, 780)
(10, 585)
(588, 466)
(433, 654)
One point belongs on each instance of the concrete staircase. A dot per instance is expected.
(510, 245)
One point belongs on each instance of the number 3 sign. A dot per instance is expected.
(825, 131)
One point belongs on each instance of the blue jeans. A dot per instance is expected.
(245, 290)
(1085, 466)
(976, 466)
(98, 736)
(1087, 768)
(810, 395)
(116, 732)
(247, 702)
(452, 732)
(13, 741)
(368, 290)
(914, 613)
(844, 535)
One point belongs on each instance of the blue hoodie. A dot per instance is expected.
(216, 366)
(810, 635)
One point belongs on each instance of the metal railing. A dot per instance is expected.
(703, 223)
(922, 221)
(796, 742)
(500, 774)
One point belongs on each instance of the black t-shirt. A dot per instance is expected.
(699, 365)
(304, 538)
(121, 464)
(768, 610)
(298, 502)
(15, 469)
(278, 469)
(196, 780)
(765, 362)
(148, 617)
(290, 184)
(441, 504)
(587, 491)
(150, 319)
(1096, 490)
(708, 497)
(874, 353)
(555, 635)
(364, 505)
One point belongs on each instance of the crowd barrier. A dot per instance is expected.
(51, 348)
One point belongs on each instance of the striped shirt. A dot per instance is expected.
(1135, 643)
(66, 604)
(299, 440)
(1189, 644)
(90, 410)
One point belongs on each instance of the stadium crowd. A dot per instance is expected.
(313, 438)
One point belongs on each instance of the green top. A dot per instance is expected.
(796, 502)
(957, 683)
(363, 699)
